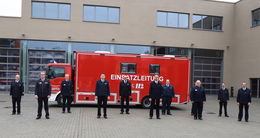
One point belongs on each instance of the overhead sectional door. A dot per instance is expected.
(9, 67)
(37, 62)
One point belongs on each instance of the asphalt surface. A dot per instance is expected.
(82, 122)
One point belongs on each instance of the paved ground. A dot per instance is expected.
(83, 123)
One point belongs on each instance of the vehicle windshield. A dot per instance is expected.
(55, 72)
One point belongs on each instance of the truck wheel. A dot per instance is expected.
(146, 103)
(59, 100)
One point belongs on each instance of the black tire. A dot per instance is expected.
(146, 103)
(59, 100)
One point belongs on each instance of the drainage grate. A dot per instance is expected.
(8, 107)
(211, 113)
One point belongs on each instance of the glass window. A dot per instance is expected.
(113, 15)
(172, 19)
(217, 23)
(129, 49)
(183, 21)
(90, 47)
(162, 18)
(197, 21)
(154, 69)
(64, 11)
(3, 52)
(89, 13)
(50, 10)
(38, 10)
(3, 59)
(256, 17)
(101, 14)
(55, 72)
(177, 52)
(128, 68)
(13, 59)
(207, 22)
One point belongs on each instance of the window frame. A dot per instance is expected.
(252, 12)
(178, 21)
(52, 76)
(212, 22)
(108, 7)
(150, 66)
(58, 5)
(122, 63)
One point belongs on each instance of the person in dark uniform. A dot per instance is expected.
(42, 94)
(155, 94)
(102, 93)
(167, 95)
(125, 93)
(223, 97)
(198, 97)
(16, 91)
(243, 101)
(66, 92)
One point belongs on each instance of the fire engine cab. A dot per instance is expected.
(139, 69)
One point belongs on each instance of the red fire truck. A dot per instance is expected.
(139, 69)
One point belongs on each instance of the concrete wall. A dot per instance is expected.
(137, 26)
(246, 57)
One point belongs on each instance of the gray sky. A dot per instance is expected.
(11, 8)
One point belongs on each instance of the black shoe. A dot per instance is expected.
(226, 116)
(150, 117)
(163, 113)
(38, 117)
(63, 112)
(47, 117)
(69, 111)
(195, 118)
(169, 114)
(98, 117)
(121, 112)
(158, 118)
(18, 113)
(200, 118)
(127, 113)
(239, 120)
(13, 113)
(105, 117)
(246, 120)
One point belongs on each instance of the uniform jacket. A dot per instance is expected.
(168, 91)
(66, 88)
(155, 90)
(125, 88)
(102, 88)
(16, 89)
(197, 94)
(43, 88)
(223, 95)
(244, 96)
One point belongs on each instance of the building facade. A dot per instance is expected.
(217, 36)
